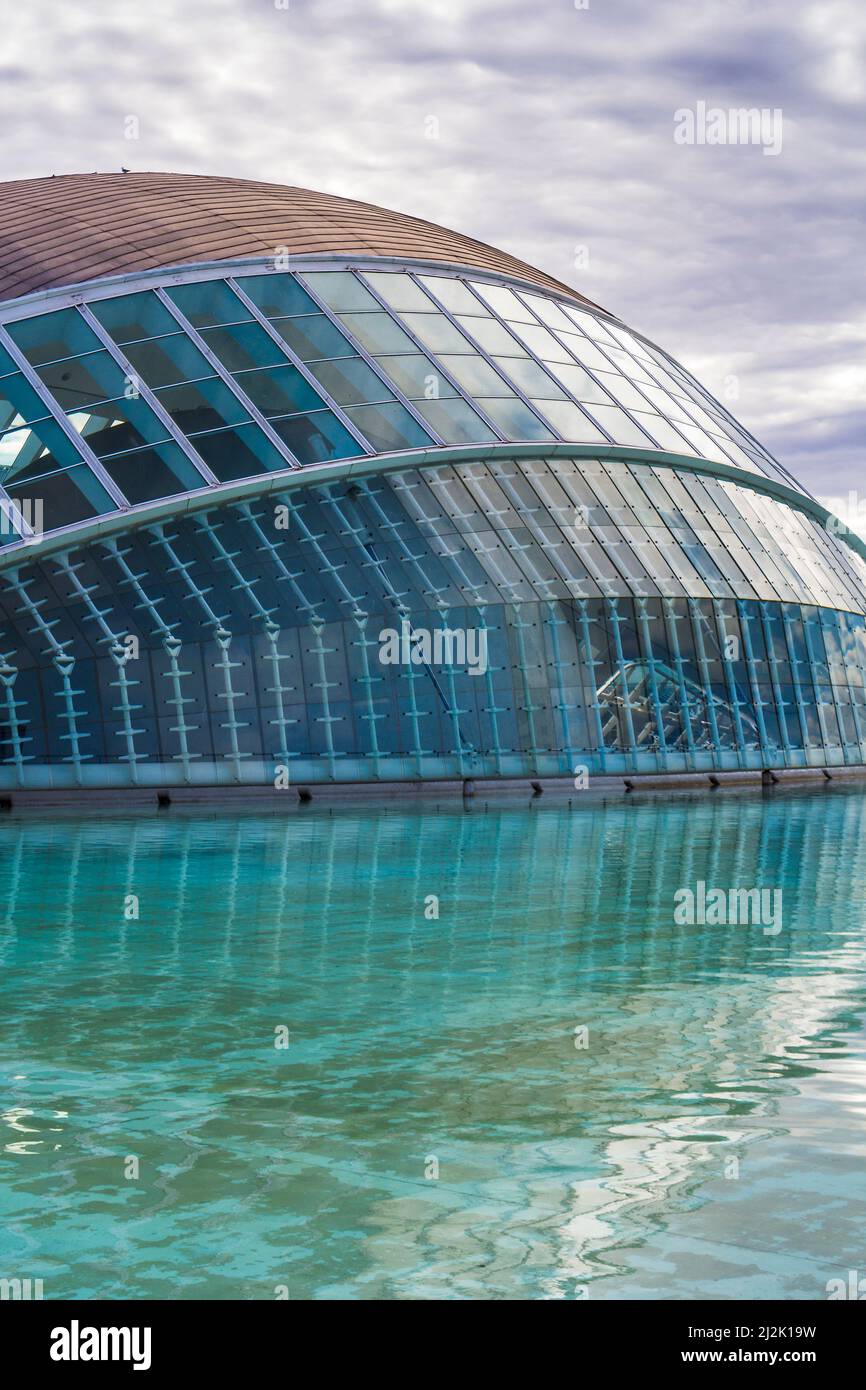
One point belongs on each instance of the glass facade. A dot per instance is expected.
(662, 597)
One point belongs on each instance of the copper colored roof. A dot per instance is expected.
(73, 228)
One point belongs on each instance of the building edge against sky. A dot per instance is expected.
(294, 487)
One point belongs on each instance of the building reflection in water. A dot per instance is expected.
(145, 964)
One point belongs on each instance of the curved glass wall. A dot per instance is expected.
(126, 398)
(510, 617)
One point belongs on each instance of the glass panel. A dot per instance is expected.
(579, 383)
(454, 295)
(617, 424)
(399, 291)
(243, 346)
(504, 302)
(416, 376)
(317, 438)
(207, 302)
(147, 474)
(542, 343)
(378, 333)
(454, 421)
(134, 316)
(67, 496)
(514, 419)
(49, 336)
(548, 312)
(279, 391)
(531, 379)
(240, 453)
(117, 425)
(349, 380)
(476, 376)
(207, 405)
(81, 381)
(32, 452)
(277, 295)
(315, 337)
(167, 361)
(492, 337)
(19, 402)
(341, 291)
(437, 332)
(569, 421)
(388, 427)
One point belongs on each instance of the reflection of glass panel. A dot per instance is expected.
(132, 316)
(49, 336)
(388, 426)
(314, 337)
(243, 346)
(514, 419)
(146, 474)
(378, 333)
(279, 391)
(276, 295)
(317, 438)
(416, 376)
(206, 405)
(67, 496)
(579, 383)
(207, 302)
(349, 381)
(240, 453)
(166, 361)
(341, 291)
(454, 421)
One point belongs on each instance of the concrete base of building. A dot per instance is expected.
(469, 791)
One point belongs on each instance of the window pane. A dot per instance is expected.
(493, 338)
(68, 496)
(437, 332)
(454, 421)
(81, 381)
(476, 376)
(166, 361)
(504, 302)
(118, 425)
(204, 406)
(317, 438)
(579, 383)
(277, 295)
(134, 316)
(454, 295)
(378, 333)
(514, 419)
(240, 453)
(416, 376)
(19, 402)
(279, 391)
(41, 449)
(388, 427)
(399, 291)
(243, 346)
(50, 336)
(207, 302)
(146, 474)
(531, 379)
(341, 291)
(569, 421)
(349, 381)
(314, 337)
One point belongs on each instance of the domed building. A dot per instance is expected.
(299, 490)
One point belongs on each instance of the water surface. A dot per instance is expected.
(707, 1143)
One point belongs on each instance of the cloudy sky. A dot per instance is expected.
(545, 128)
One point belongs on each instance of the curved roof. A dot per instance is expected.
(72, 228)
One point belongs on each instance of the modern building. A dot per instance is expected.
(297, 488)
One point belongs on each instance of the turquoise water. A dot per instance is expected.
(415, 1045)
